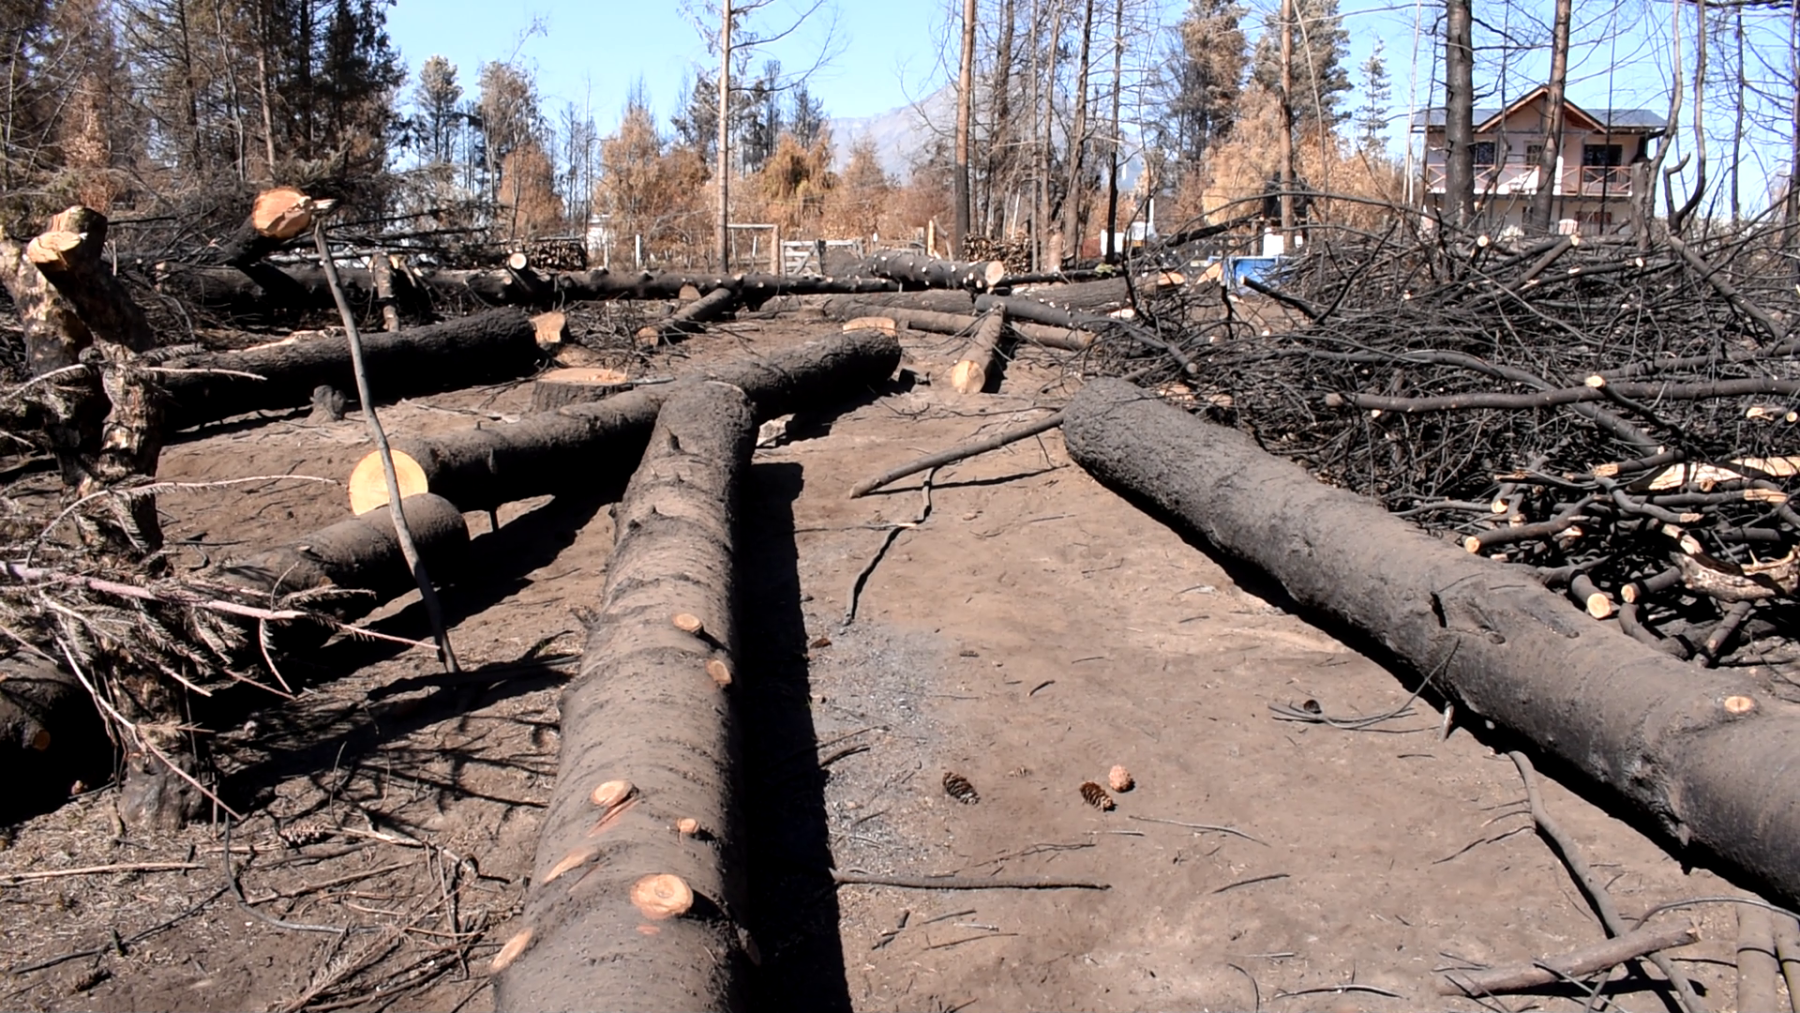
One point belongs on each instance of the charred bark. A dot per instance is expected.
(643, 795)
(936, 322)
(916, 270)
(599, 443)
(484, 348)
(1699, 753)
(691, 318)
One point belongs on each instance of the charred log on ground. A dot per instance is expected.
(1700, 753)
(640, 862)
(483, 348)
(601, 442)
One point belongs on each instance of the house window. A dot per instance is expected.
(1484, 152)
(1602, 155)
(1534, 154)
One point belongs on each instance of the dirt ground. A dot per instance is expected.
(1031, 631)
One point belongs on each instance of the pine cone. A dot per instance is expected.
(1096, 796)
(959, 788)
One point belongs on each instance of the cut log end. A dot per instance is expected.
(368, 483)
(1738, 706)
(885, 325)
(52, 250)
(968, 377)
(552, 329)
(1600, 606)
(662, 896)
(285, 212)
(687, 826)
(687, 622)
(511, 951)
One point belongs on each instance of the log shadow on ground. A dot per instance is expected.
(496, 569)
(794, 904)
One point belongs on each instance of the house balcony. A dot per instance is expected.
(1520, 179)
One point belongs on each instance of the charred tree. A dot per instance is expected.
(1459, 111)
(1544, 200)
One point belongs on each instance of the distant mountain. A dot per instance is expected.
(904, 134)
(900, 135)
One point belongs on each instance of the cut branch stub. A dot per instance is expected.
(662, 896)
(607, 794)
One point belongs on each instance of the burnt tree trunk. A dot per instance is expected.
(1700, 753)
(593, 444)
(483, 348)
(1459, 112)
(277, 216)
(936, 322)
(359, 554)
(268, 289)
(651, 708)
(916, 270)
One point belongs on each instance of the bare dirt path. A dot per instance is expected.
(1031, 632)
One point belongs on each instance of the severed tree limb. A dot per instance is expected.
(1577, 865)
(691, 318)
(964, 882)
(1757, 967)
(1726, 289)
(957, 453)
(1566, 395)
(402, 530)
(1591, 959)
(971, 372)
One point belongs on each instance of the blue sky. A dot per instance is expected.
(888, 54)
(592, 52)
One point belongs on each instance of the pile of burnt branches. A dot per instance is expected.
(1621, 417)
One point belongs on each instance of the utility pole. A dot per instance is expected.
(1111, 249)
(724, 172)
(965, 100)
(1542, 212)
(1287, 125)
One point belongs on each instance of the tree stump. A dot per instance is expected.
(560, 387)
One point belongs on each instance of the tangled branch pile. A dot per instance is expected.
(1617, 416)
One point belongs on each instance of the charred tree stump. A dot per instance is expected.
(69, 255)
(639, 877)
(980, 361)
(585, 445)
(576, 385)
(691, 318)
(1700, 753)
(483, 348)
(54, 333)
(916, 270)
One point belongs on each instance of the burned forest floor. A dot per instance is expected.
(1026, 629)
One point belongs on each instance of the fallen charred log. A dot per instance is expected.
(234, 292)
(1698, 753)
(916, 270)
(600, 442)
(640, 861)
(691, 318)
(483, 348)
(346, 570)
(937, 322)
